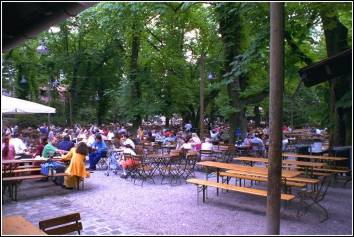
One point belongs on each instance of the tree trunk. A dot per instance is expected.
(275, 119)
(167, 121)
(336, 35)
(257, 116)
(231, 33)
(135, 90)
(201, 96)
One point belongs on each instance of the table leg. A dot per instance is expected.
(217, 180)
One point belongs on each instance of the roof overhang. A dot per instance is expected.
(24, 20)
(327, 69)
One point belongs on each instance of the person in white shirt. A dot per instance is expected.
(207, 145)
(257, 145)
(247, 140)
(127, 141)
(214, 135)
(186, 146)
(18, 144)
(110, 135)
(91, 139)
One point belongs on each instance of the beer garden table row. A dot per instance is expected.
(235, 167)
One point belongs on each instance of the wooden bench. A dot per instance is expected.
(27, 177)
(252, 191)
(62, 225)
(256, 177)
(27, 166)
(260, 178)
(24, 170)
(304, 180)
(313, 173)
(14, 181)
(20, 178)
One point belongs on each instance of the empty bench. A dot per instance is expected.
(256, 177)
(62, 225)
(14, 181)
(257, 192)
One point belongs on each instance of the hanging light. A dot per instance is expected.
(211, 76)
(23, 80)
(42, 48)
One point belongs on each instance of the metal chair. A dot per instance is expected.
(189, 165)
(309, 198)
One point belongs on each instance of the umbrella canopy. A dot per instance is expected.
(10, 105)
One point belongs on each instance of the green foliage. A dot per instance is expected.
(92, 54)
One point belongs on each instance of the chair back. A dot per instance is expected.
(62, 225)
(322, 189)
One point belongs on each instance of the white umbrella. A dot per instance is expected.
(10, 105)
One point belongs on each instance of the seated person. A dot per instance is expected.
(196, 142)
(285, 143)
(257, 145)
(19, 145)
(214, 135)
(126, 162)
(8, 150)
(66, 144)
(40, 147)
(169, 139)
(50, 150)
(247, 140)
(187, 145)
(125, 140)
(206, 146)
(76, 169)
(99, 149)
(179, 143)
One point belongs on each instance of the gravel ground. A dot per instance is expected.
(112, 205)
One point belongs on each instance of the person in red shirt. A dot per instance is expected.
(40, 147)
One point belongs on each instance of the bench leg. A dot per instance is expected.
(15, 186)
(204, 192)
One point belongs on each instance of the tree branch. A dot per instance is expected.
(292, 44)
(154, 35)
(153, 45)
(255, 98)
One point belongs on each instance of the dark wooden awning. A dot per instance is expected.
(24, 20)
(327, 69)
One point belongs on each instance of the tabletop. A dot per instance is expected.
(27, 160)
(314, 157)
(287, 162)
(258, 170)
(18, 225)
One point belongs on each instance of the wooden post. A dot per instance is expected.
(201, 96)
(275, 116)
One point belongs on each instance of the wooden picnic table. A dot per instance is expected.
(308, 166)
(257, 170)
(28, 160)
(8, 166)
(18, 225)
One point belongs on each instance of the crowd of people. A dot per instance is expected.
(78, 142)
